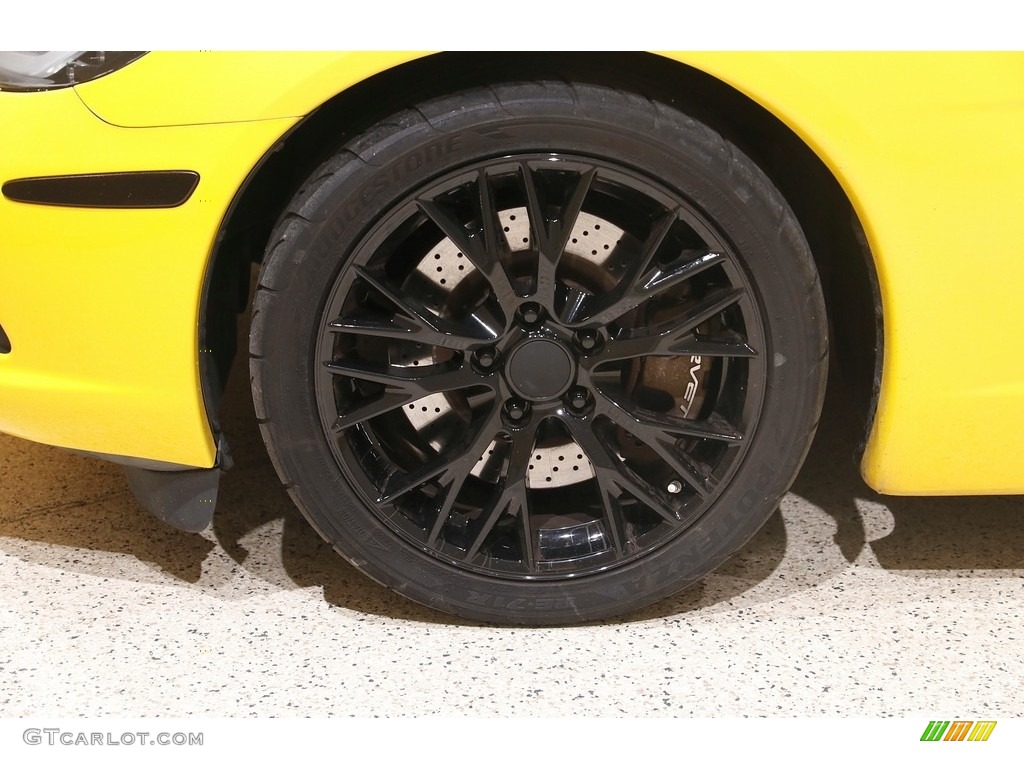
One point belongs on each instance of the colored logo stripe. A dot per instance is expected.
(982, 730)
(958, 730)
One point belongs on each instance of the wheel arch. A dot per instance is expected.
(825, 212)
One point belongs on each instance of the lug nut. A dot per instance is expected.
(485, 357)
(530, 312)
(587, 338)
(578, 398)
(516, 409)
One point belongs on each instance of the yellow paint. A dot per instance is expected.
(927, 146)
(102, 306)
(217, 87)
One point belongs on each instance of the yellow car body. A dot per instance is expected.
(102, 306)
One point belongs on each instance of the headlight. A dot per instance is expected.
(43, 70)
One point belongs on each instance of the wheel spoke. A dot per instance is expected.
(402, 329)
(649, 283)
(458, 469)
(715, 427)
(614, 476)
(611, 510)
(550, 233)
(453, 464)
(606, 468)
(418, 382)
(491, 263)
(720, 345)
(401, 386)
(465, 240)
(660, 437)
(370, 407)
(511, 493)
(587, 307)
(525, 531)
(416, 323)
(479, 245)
(644, 492)
(491, 515)
(677, 339)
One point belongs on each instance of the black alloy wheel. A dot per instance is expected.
(545, 357)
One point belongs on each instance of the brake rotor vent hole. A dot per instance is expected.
(555, 466)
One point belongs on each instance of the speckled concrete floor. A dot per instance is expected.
(846, 604)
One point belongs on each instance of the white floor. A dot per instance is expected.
(846, 604)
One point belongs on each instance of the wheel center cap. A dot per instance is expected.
(540, 369)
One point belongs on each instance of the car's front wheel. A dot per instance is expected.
(538, 353)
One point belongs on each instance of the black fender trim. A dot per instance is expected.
(183, 498)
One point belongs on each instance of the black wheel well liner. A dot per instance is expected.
(819, 202)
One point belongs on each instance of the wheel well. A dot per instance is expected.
(822, 207)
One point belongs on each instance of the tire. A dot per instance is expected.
(539, 353)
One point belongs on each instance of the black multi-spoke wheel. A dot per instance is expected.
(547, 357)
(540, 366)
